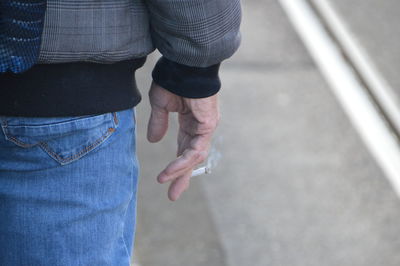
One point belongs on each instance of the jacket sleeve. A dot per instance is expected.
(194, 37)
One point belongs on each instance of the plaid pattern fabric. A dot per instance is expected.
(191, 32)
(196, 33)
(21, 25)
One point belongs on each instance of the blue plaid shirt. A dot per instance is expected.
(21, 26)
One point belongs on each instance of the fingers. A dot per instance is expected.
(182, 165)
(158, 124)
(162, 102)
(198, 119)
(179, 172)
(178, 186)
(183, 142)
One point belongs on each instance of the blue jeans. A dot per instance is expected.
(68, 189)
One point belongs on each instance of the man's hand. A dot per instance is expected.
(198, 119)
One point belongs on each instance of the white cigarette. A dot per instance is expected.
(201, 171)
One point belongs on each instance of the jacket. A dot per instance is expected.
(83, 42)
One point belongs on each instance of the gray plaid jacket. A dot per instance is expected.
(195, 33)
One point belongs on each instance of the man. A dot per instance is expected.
(68, 168)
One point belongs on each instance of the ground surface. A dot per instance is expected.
(295, 185)
(375, 27)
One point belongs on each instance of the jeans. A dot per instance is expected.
(68, 189)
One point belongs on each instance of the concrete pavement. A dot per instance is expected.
(372, 27)
(295, 185)
(375, 25)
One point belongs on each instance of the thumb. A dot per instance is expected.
(158, 124)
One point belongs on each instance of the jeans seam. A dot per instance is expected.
(4, 125)
(77, 155)
(18, 142)
(125, 212)
(45, 147)
(131, 179)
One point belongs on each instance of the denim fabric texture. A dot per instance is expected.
(68, 189)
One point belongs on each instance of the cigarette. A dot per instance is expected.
(201, 171)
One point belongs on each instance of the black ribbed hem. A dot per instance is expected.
(187, 81)
(70, 89)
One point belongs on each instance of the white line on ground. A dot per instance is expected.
(354, 99)
(360, 59)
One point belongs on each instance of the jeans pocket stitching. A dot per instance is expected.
(81, 153)
(18, 142)
(11, 138)
(114, 121)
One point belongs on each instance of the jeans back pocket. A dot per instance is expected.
(65, 139)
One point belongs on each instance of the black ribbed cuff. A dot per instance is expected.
(187, 81)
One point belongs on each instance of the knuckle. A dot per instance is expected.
(212, 123)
